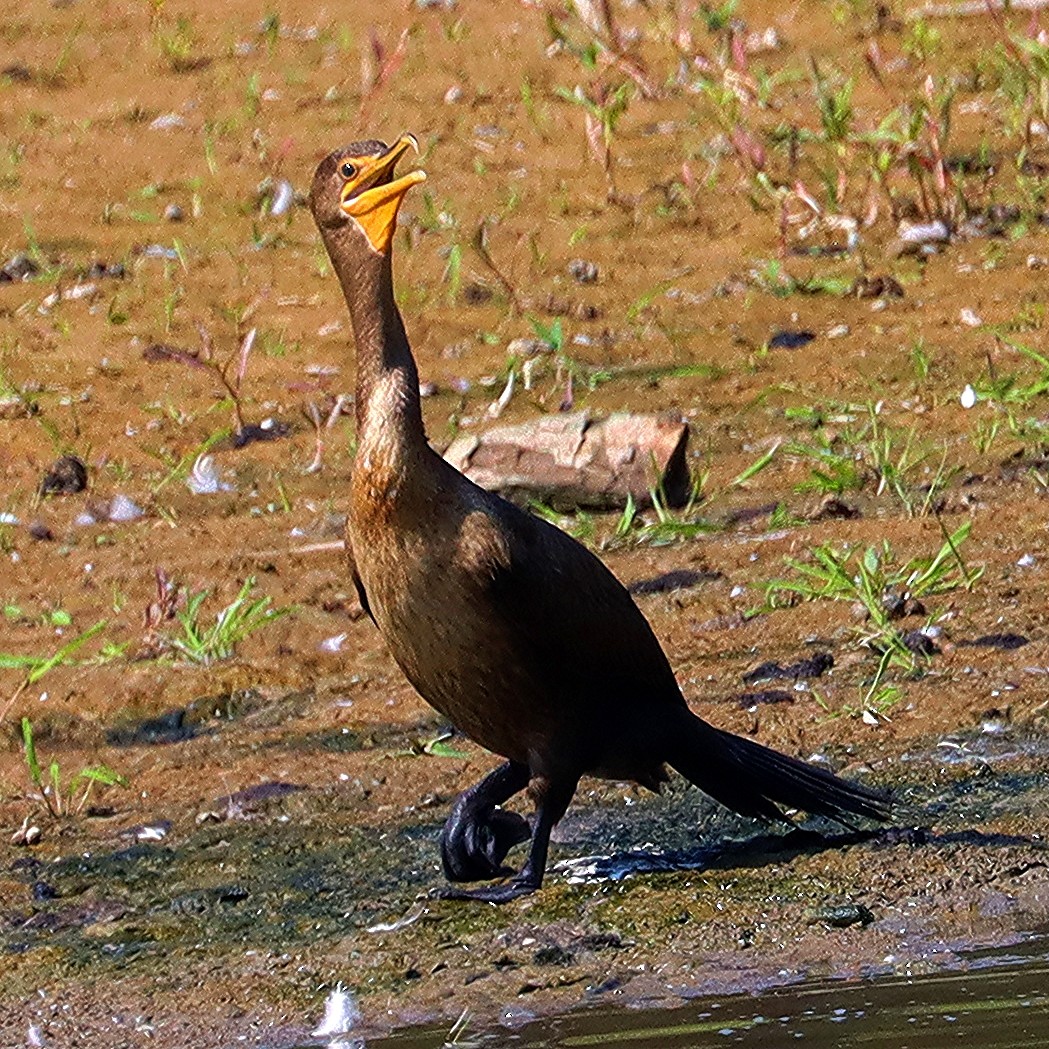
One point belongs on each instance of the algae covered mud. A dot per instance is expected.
(815, 231)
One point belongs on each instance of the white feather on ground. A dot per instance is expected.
(341, 1013)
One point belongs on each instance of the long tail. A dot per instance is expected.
(755, 781)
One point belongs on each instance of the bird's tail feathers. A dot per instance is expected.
(755, 780)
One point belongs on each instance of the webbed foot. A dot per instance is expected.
(504, 892)
(475, 842)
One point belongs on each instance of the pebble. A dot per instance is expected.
(158, 251)
(790, 340)
(27, 834)
(761, 41)
(173, 213)
(283, 198)
(122, 509)
(877, 286)
(17, 268)
(148, 831)
(453, 95)
(14, 407)
(923, 232)
(527, 347)
(1027, 561)
(968, 317)
(17, 73)
(167, 122)
(838, 331)
(77, 291)
(67, 476)
(842, 916)
(583, 271)
(427, 389)
(112, 270)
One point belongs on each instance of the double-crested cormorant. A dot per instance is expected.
(509, 627)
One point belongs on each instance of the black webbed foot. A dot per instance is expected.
(504, 892)
(475, 842)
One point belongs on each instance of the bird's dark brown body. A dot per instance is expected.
(513, 630)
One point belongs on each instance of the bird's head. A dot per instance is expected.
(355, 187)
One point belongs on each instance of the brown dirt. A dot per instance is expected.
(85, 176)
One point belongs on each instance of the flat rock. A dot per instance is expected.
(571, 460)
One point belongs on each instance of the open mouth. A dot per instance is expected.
(374, 185)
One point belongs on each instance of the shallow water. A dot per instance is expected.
(1002, 1000)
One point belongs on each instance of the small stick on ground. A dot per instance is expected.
(973, 7)
(314, 415)
(480, 243)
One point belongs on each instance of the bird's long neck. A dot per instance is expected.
(388, 410)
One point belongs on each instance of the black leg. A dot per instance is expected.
(552, 801)
(477, 836)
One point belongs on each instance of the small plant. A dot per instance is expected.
(847, 575)
(835, 107)
(876, 700)
(833, 472)
(438, 747)
(56, 75)
(775, 280)
(480, 245)
(672, 526)
(873, 579)
(379, 65)
(175, 42)
(67, 801)
(229, 373)
(921, 360)
(603, 107)
(322, 426)
(579, 525)
(984, 436)
(896, 460)
(241, 618)
(37, 666)
(923, 40)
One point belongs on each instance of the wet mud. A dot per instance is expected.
(853, 328)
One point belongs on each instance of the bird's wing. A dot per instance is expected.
(564, 612)
(358, 584)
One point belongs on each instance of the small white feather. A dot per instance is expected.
(341, 1014)
(204, 478)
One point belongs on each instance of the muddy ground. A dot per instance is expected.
(743, 196)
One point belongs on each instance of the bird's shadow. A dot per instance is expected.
(765, 848)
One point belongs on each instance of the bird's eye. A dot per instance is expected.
(348, 170)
